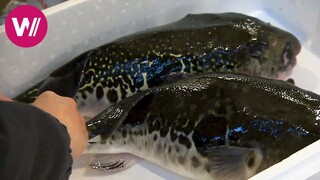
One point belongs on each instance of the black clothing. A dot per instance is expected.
(33, 144)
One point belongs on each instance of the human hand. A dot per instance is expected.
(65, 110)
(4, 98)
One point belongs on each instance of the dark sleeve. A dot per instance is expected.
(33, 144)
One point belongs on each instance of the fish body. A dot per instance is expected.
(199, 43)
(212, 126)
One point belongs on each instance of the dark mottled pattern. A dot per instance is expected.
(184, 141)
(173, 135)
(181, 160)
(112, 95)
(195, 162)
(99, 92)
(228, 42)
(124, 134)
(211, 126)
(228, 110)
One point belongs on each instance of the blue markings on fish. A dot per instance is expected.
(212, 126)
(227, 42)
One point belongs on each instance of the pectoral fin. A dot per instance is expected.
(105, 164)
(110, 119)
(232, 162)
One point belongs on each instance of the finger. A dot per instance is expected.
(4, 98)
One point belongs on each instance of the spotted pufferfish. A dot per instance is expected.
(211, 126)
(198, 43)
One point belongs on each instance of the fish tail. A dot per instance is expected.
(30, 94)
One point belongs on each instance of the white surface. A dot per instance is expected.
(301, 165)
(78, 25)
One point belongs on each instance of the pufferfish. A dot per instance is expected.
(212, 126)
(198, 43)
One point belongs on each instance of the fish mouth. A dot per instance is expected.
(288, 58)
(295, 47)
(284, 74)
(289, 53)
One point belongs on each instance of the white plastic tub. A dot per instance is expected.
(78, 25)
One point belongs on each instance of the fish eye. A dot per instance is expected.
(257, 49)
(256, 54)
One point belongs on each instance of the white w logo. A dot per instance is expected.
(25, 24)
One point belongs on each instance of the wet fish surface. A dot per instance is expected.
(198, 43)
(212, 126)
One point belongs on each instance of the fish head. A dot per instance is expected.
(278, 128)
(275, 140)
(267, 52)
(276, 52)
(282, 147)
(258, 150)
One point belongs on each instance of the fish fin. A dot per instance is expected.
(110, 119)
(291, 81)
(105, 164)
(232, 162)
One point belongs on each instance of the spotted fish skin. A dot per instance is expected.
(228, 42)
(211, 126)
